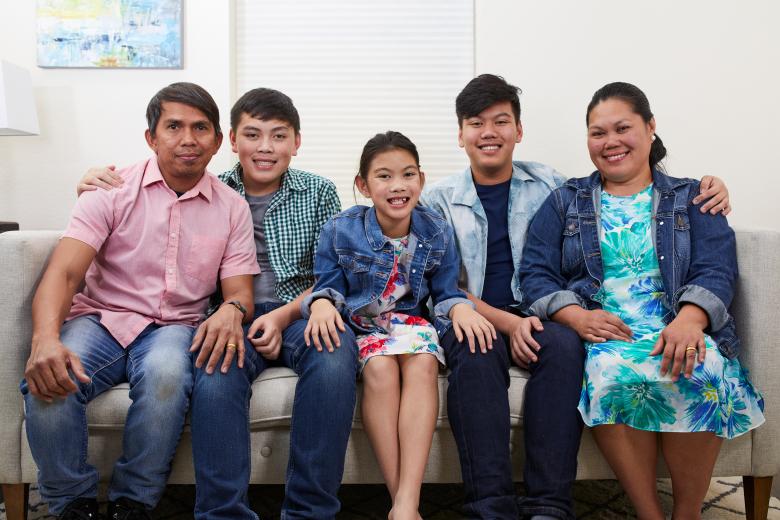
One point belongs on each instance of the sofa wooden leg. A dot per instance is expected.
(758, 490)
(16, 497)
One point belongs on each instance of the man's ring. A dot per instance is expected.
(231, 346)
(690, 348)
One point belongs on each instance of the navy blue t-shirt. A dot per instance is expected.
(499, 267)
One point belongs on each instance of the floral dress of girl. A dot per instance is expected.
(400, 333)
(622, 383)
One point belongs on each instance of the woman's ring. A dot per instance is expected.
(690, 348)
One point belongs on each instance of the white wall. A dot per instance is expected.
(711, 70)
(96, 116)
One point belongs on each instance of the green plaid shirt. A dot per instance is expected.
(295, 215)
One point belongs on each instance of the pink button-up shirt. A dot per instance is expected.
(158, 255)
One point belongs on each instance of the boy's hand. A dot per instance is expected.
(522, 344)
(714, 189)
(323, 323)
(99, 177)
(270, 342)
(221, 333)
(470, 324)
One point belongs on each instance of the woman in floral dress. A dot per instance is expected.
(628, 260)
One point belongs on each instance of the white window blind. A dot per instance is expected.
(355, 68)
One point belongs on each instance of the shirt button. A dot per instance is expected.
(170, 271)
(419, 245)
(661, 223)
(661, 257)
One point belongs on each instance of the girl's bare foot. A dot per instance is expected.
(400, 512)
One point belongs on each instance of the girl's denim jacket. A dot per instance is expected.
(354, 261)
(562, 265)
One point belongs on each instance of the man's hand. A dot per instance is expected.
(522, 344)
(322, 325)
(221, 333)
(468, 323)
(47, 370)
(682, 342)
(269, 343)
(714, 189)
(98, 177)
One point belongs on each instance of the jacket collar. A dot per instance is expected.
(465, 193)
(661, 182)
(424, 227)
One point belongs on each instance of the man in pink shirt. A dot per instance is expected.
(149, 254)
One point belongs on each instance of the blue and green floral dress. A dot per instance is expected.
(398, 333)
(622, 383)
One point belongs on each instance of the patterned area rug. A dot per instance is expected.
(595, 500)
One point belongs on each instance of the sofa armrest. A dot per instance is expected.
(756, 309)
(23, 256)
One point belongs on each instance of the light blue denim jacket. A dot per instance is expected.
(456, 199)
(354, 261)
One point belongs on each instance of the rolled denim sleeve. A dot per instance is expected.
(329, 279)
(444, 281)
(541, 281)
(712, 275)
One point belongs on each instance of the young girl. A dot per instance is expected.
(375, 268)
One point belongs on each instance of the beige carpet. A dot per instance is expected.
(595, 500)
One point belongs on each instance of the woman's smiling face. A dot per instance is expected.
(619, 141)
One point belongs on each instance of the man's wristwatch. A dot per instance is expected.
(237, 305)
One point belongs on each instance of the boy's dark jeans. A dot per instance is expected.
(478, 409)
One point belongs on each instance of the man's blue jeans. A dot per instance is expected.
(323, 407)
(158, 367)
(478, 410)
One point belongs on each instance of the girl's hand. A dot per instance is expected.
(522, 344)
(469, 323)
(95, 178)
(597, 326)
(323, 322)
(682, 342)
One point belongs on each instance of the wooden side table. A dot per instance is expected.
(9, 226)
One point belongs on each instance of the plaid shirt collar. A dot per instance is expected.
(233, 178)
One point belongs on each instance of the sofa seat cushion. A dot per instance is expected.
(272, 401)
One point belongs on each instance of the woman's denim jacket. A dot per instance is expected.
(696, 252)
(354, 261)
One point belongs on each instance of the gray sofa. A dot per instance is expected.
(23, 255)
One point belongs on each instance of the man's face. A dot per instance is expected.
(489, 139)
(264, 150)
(184, 141)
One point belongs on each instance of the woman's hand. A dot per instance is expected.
(105, 178)
(682, 342)
(470, 324)
(596, 326)
(323, 322)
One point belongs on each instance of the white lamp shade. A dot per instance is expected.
(17, 105)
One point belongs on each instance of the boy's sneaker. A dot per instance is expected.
(81, 509)
(126, 509)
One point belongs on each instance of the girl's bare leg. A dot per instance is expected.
(379, 409)
(632, 454)
(416, 422)
(690, 457)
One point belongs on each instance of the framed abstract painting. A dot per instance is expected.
(110, 33)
